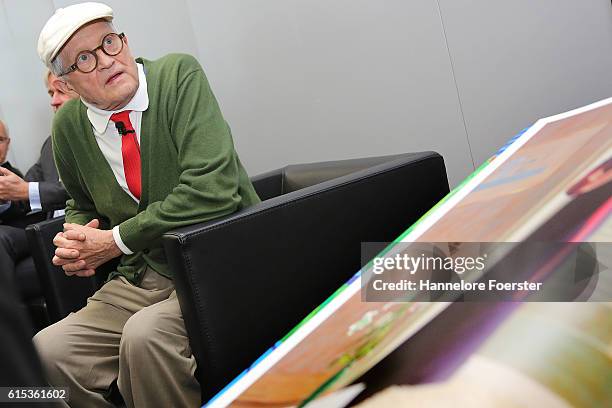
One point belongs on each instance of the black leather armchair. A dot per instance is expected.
(245, 280)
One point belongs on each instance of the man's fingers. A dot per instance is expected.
(78, 227)
(57, 237)
(59, 261)
(74, 266)
(74, 235)
(5, 172)
(85, 273)
(82, 273)
(93, 223)
(66, 253)
(61, 242)
(68, 226)
(56, 261)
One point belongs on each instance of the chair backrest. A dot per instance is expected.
(244, 281)
(297, 176)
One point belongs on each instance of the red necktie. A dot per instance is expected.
(129, 150)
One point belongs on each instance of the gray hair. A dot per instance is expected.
(57, 66)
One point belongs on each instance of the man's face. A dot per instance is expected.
(59, 92)
(4, 143)
(114, 81)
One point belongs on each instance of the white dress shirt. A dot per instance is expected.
(5, 205)
(109, 139)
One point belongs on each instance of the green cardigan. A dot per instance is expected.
(190, 170)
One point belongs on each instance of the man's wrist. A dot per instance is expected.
(24, 191)
(113, 248)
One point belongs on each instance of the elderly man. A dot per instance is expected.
(145, 150)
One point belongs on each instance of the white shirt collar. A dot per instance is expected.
(140, 102)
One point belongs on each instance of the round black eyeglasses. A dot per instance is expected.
(87, 61)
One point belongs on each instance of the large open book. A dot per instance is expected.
(553, 181)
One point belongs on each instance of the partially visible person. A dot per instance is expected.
(8, 185)
(5, 142)
(40, 190)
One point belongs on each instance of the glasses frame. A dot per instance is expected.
(75, 67)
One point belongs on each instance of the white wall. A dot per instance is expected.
(24, 103)
(520, 60)
(309, 80)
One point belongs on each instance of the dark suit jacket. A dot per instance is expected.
(10, 167)
(53, 195)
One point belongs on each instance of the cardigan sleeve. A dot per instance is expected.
(209, 170)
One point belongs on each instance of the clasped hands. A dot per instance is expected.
(83, 248)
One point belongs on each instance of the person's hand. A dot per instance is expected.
(83, 248)
(67, 252)
(12, 187)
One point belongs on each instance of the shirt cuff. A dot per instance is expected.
(34, 193)
(58, 213)
(4, 207)
(119, 242)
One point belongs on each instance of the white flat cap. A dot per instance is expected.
(65, 22)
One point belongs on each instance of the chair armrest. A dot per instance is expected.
(63, 294)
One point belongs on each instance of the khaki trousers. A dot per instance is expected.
(131, 334)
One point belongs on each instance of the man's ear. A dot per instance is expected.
(70, 88)
(64, 86)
